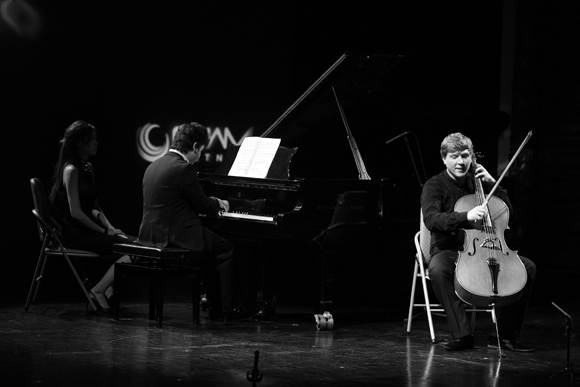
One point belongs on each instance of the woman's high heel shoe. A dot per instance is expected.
(114, 303)
(100, 308)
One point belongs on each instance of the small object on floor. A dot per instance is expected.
(255, 375)
(460, 344)
(324, 322)
(509, 345)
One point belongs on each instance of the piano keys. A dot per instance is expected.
(290, 208)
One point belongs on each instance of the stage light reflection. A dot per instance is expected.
(21, 17)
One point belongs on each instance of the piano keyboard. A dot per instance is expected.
(245, 215)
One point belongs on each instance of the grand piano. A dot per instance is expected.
(298, 200)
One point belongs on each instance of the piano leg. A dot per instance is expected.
(270, 266)
(256, 259)
(279, 266)
(324, 320)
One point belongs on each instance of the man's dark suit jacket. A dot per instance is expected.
(172, 200)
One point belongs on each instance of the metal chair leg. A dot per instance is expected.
(412, 301)
(36, 278)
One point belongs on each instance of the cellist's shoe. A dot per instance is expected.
(460, 344)
(509, 344)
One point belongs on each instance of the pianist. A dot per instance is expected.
(172, 202)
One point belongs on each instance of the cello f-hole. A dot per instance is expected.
(474, 247)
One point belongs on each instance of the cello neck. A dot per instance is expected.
(480, 194)
(478, 184)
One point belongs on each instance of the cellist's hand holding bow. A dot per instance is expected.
(477, 213)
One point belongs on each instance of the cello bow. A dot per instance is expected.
(506, 168)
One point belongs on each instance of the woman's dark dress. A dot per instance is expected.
(74, 234)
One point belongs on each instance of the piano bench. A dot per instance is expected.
(158, 264)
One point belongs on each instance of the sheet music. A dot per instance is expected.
(255, 157)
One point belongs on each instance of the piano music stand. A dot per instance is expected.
(278, 170)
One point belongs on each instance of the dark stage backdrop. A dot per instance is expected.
(235, 67)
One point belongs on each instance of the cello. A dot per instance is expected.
(487, 272)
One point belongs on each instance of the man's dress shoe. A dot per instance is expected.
(460, 344)
(509, 344)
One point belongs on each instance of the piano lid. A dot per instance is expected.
(352, 75)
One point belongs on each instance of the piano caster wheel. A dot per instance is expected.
(324, 322)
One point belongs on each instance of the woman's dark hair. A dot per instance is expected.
(78, 131)
(187, 134)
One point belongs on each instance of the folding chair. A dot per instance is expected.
(422, 256)
(49, 231)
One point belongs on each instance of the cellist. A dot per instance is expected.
(438, 199)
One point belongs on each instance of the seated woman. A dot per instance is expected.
(74, 203)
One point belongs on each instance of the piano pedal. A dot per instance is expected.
(204, 302)
(324, 321)
(267, 311)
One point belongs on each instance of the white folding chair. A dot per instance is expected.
(422, 256)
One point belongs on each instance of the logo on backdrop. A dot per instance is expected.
(153, 142)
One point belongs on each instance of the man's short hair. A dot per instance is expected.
(187, 135)
(455, 142)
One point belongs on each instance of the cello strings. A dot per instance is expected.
(486, 221)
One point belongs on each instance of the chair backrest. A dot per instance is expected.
(40, 205)
(424, 240)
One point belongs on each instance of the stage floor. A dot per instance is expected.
(59, 345)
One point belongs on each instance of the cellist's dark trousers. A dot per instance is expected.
(510, 318)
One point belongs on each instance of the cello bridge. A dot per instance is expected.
(490, 243)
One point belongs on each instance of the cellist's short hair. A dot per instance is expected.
(455, 142)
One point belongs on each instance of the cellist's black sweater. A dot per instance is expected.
(438, 199)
